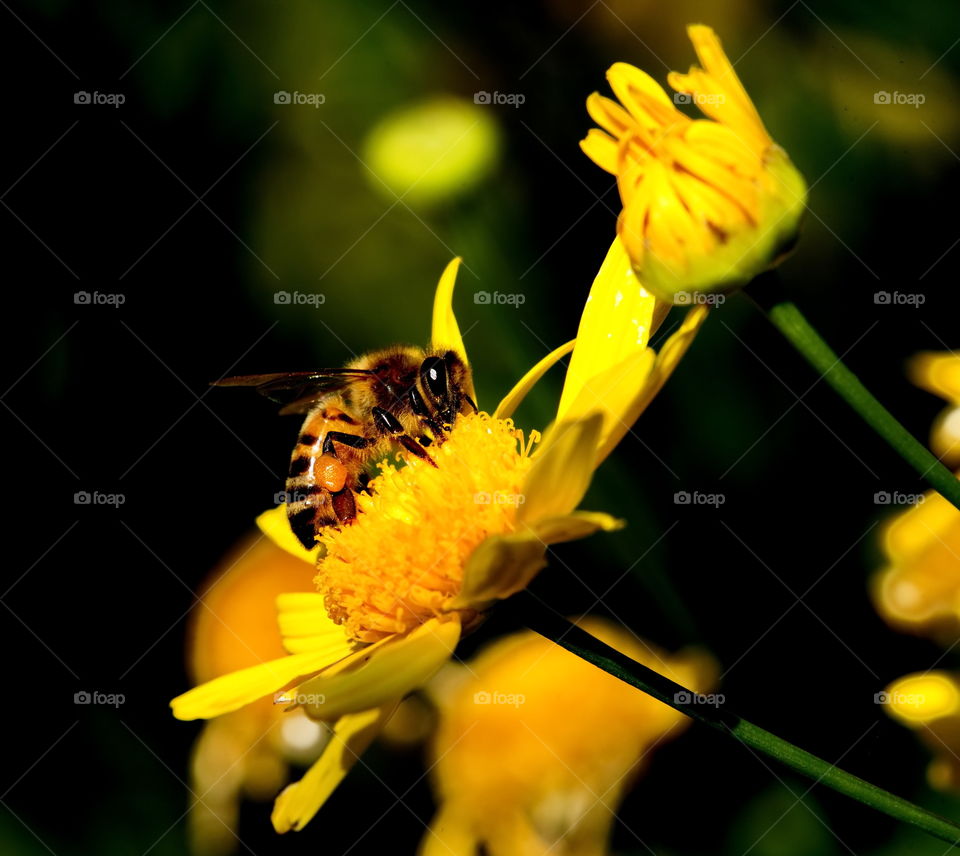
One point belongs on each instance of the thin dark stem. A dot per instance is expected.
(795, 327)
(544, 621)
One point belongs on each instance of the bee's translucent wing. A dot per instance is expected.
(296, 391)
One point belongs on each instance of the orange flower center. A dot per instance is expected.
(401, 561)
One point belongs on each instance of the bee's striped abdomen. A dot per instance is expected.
(313, 477)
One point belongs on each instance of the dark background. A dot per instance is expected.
(104, 199)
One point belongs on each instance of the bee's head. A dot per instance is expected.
(445, 381)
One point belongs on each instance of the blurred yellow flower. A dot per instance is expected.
(939, 373)
(929, 703)
(432, 547)
(535, 748)
(707, 203)
(919, 589)
(244, 753)
(434, 150)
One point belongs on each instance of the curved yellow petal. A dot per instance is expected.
(445, 332)
(306, 626)
(937, 372)
(913, 530)
(275, 525)
(394, 669)
(237, 689)
(511, 401)
(571, 527)
(644, 98)
(921, 698)
(562, 469)
(353, 733)
(503, 565)
(626, 409)
(618, 319)
(613, 392)
(500, 566)
(602, 149)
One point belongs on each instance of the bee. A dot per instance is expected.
(401, 399)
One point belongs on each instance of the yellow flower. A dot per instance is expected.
(707, 203)
(433, 151)
(535, 748)
(919, 589)
(939, 373)
(432, 547)
(247, 752)
(929, 703)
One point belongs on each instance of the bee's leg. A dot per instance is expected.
(344, 505)
(471, 402)
(420, 409)
(387, 423)
(354, 441)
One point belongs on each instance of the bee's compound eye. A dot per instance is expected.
(331, 473)
(434, 375)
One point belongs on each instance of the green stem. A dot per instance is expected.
(790, 321)
(544, 621)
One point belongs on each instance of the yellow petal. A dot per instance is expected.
(233, 691)
(921, 698)
(643, 97)
(511, 401)
(449, 835)
(446, 332)
(919, 526)
(500, 566)
(562, 469)
(666, 361)
(275, 525)
(618, 319)
(395, 668)
(937, 372)
(305, 626)
(721, 72)
(571, 527)
(353, 733)
(613, 393)
(602, 149)
(503, 565)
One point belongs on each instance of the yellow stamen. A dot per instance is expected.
(401, 562)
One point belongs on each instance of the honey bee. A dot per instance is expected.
(401, 399)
